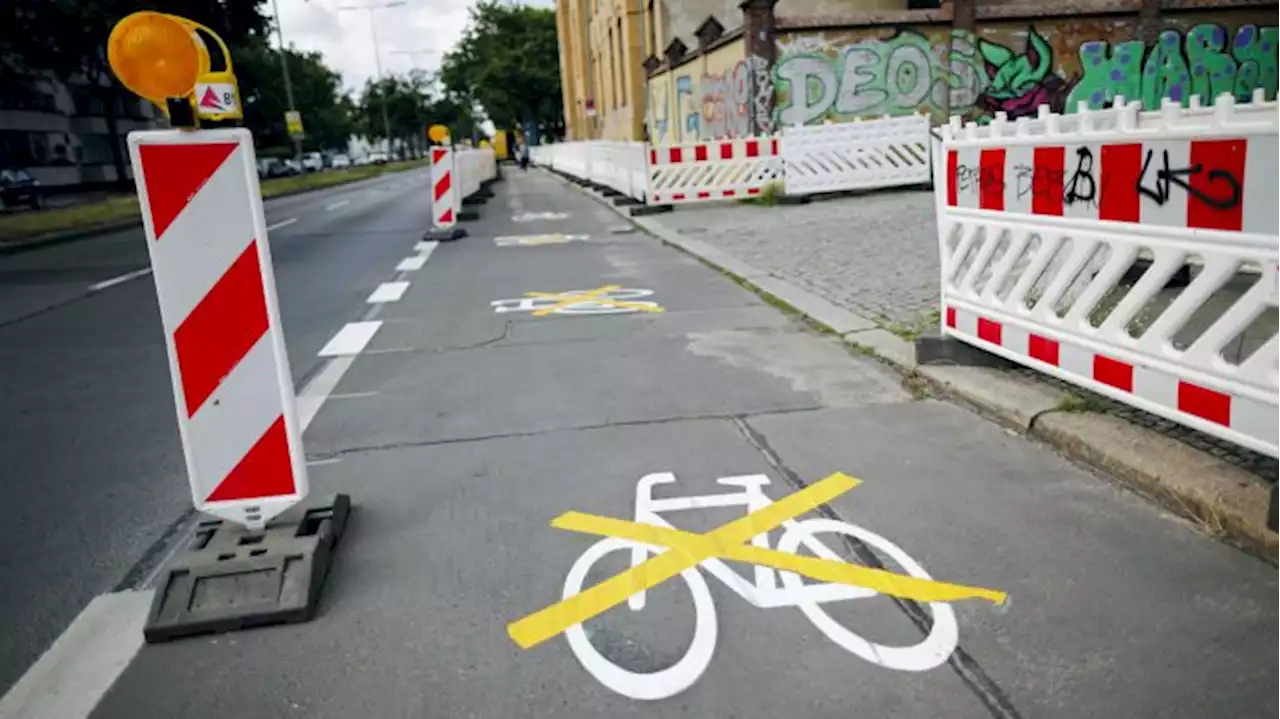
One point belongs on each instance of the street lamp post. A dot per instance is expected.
(288, 83)
(377, 55)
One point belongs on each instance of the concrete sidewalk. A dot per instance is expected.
(867, 268)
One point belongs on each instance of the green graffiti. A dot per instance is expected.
(1178, 67)
(1020, 84)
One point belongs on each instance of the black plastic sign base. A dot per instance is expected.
(646, 210)
(233, 578)
(440, 235)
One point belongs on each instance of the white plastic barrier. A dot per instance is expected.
(888, 152)
(712, 170)
(472, 167)
(620, 166)
(1040, 221)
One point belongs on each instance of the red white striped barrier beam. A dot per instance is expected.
(207, 238)
(1200, 402)
(444, 190)
(716, 170)
(1204, 184)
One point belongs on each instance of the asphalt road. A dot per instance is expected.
(89, 454)
(461, 432)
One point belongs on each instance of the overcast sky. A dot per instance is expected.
(344, 38)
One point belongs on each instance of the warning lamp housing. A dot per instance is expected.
(165, 58)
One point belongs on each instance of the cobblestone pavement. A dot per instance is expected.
(876, 254)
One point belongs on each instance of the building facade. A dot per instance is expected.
(728, 68)
(59, 133)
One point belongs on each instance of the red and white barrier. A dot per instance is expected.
(444, 194)
(714, 170)
(207, 238)
(1043, 222)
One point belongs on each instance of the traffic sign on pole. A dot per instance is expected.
(207, 238)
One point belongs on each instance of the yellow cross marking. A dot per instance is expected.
(728, 541)
(597, 296)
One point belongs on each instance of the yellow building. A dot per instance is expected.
(602, 54)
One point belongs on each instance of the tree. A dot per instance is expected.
(317, 91)
(507, 62)
(68, 38)
(413, 102)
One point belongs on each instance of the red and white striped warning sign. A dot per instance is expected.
(207, 238)
(444, 209)
(1219, 183)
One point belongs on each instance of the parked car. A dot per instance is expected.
(378, 158)
(312, 162)
(18, 187)
(338, 162)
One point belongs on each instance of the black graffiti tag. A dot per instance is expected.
(1226, 196)
(1082, 187)
(966, 177)
(1038, 181)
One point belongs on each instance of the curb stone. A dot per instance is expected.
(1224, 501)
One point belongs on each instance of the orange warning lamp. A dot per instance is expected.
(155, 56)
(165, 58)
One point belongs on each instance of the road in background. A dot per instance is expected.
(89, 454)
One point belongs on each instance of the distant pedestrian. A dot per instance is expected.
(524, 155)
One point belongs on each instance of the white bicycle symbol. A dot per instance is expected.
(581, 302)
(764, 592)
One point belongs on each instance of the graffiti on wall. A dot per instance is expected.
(1015, 69)
(910, 73)
(726, 102)
(1019, 84)
(818, 80)
(1200, 62)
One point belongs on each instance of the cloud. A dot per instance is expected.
(345, 38)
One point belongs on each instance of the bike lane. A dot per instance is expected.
(462, 431)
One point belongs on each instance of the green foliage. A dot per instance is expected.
(413, 102)
(317, 91)
(508, 63)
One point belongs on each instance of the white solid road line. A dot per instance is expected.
(350, 339)
(335, 205)
(411, 264)
(282, 223)
(388, 292)
(84, 662)
(119, 280)
(426, 248)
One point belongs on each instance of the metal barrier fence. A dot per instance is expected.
(1064, 240)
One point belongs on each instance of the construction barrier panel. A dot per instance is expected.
(713, 170)
(889, 152)
(473, 168)
(620, 166)
(207, 238)
(1064, 241)
(445, 199)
